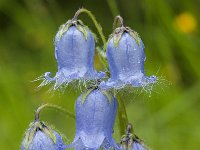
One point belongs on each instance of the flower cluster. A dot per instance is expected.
(96, 108)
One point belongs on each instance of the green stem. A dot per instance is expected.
(37, 114)
(99, 29)
(122, 117)
(113, 7)
(118, 22)
(92, 17)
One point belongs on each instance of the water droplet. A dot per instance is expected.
(138, 61)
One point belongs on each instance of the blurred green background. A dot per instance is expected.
(167, 119)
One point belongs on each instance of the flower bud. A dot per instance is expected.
(125, 54)
(74, 52)
(130, 141)
(95, 117)
(41, 137)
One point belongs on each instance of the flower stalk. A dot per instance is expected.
(38, 111)
(118, 22)
(122, 116)
(92, 17)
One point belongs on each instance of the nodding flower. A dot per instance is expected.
(74, 52)
(41, 137)
(95, 117)
(126, 57)
(130, 141)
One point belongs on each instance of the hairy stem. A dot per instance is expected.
(122, 116)
(92, 17)
(113, 7)
(100, 51)
(38, 111)
(118, 22)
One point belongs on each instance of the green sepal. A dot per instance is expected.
(84, 95)
(116, 38)
(130, 144)
(86, 28)
(108, 95)
(64, 28)
(127, 141)
(135, 35)
(118, 32)
(48, 131)
(29, 135)
(82, 29)
(34, 127)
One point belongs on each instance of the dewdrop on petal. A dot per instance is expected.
(126, 57)
(95, 117)
(74, 52)
(40, 137)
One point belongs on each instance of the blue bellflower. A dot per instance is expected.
(74, 52)
(41, 137)
(134, 146)
(130, 141)
(138, 146)
(125, 54)
(95, 117)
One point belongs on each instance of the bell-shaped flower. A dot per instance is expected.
(130, 141)
(138, 146)
(74, 52)
(126, 57)
(134, 146)
(41, 137)
(95, 117)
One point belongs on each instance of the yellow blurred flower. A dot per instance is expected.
(186, 22)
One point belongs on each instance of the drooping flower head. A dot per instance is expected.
(125, 54)
(41, 137)
(130, 141)
(74, 52)
(95, 117)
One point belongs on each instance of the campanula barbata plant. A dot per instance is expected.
(123, 58)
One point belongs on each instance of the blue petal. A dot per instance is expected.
(138, 146)
(75, 58)
(126, 64)
(95, 120)
(41, 141)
